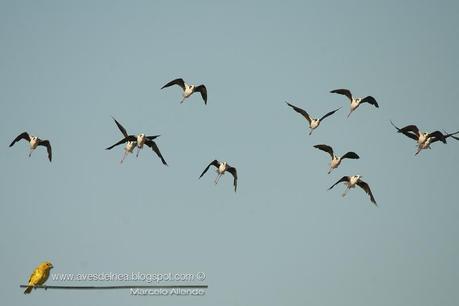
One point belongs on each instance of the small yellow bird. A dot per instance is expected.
(39, 276)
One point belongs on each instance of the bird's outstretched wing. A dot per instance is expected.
(203, 90)
(367, 189)
(451, 135)
(344, 92)
(300, 111)
(408, 132)
(325, 148)
(180, 82)
(233, 171)
(124, 140)
(329, 114)
(24, 135)
(46, 144)
(215, 163)
(350, 155)
(152, 137)
(436, 136)
(121, 128)
(343, 179)
(155, 148)
(370, 100)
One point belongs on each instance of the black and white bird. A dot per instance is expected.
(423, 139)
(222, 167)
(128, 148)
(136, 140)
(351, 181)
(335, 159)
(313, 122)
(34, 142)
(355, 102)
(188, 90)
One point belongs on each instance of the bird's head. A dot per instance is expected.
(47, 265)
(34, 138)
(141, 135)
(358, 176)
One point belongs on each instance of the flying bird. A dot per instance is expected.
(335, 159)
(128, 148)
(39, 276)
(423, 139)
(351, 181)
(313, 122)
(140, 140)
(355, 102)
(34, 143)
(188, 90)
(222, 167)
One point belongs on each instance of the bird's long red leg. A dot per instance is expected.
(124, 156)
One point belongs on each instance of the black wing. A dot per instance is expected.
(350, 155)
(370, 100)
(325, 148)
(155, 148)
(203, 90)
(124, 140)
(122, 129)
(233, 171)
(24, 135)
(406, 132)
(436, 136)
(46, 144)
(451, 135)
(215, 163)
(345, 92)
(367, 189)
(343, 179)
(152, 137)
(301, 111)
(179, 82)
(329, 114)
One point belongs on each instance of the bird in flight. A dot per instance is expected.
(423, 139)
(335, 159)
(355, 102)
(34, 143)
(222, 167)
(188, 90)
(351, 182)
(313, 122)
(136, 140)
(39, 276)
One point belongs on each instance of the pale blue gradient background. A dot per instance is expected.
(67, 66)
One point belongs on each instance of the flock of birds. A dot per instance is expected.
(424, 141)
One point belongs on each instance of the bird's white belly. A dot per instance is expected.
(33, 144)
(335, 163)
(188, 91)
(130, 147)
(314, 124)
(354, 104)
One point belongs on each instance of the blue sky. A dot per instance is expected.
(68, 66)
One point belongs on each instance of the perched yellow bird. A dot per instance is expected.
(39, 276)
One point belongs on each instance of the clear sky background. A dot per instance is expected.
(66, 67)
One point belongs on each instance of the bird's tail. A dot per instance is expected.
(28, 290)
